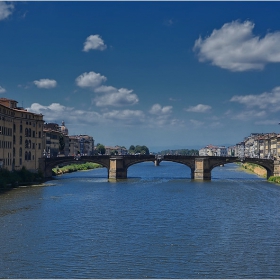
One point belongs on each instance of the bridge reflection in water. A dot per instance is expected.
(201, 166)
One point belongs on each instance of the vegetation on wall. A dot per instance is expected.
(9, 179)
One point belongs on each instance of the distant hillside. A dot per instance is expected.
(182, 152)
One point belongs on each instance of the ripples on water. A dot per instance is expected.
(156, 224)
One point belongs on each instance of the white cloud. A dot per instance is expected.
(2, 90)
(94, 42)
(126, 116)
(90, 80)
(56, 112)
(267, 122)
(266, 100)
(249, 115)
(115, 97)
(236, 48)
(157, 109)
(45, 83)
(196, 122)
(200, 108)
(5, 10)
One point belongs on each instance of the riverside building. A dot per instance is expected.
(21, 136)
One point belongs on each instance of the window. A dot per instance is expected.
(26, 144)
(20, 140)
(26, 132)
(20, 151)
(20, 128)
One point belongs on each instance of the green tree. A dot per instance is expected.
(100, 149)
(61, 142)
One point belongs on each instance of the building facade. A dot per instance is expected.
(81, 144)
(21, 137)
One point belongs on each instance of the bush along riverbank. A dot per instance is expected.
(274, 179)
(75, 167)
(11, 179)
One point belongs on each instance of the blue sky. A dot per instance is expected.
(160, 74)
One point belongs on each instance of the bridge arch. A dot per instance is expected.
(265, 163)
(185, 160)
(47, 164)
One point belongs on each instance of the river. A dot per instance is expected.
(156, 224)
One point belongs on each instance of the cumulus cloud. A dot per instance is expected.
(266, 100)
(90, 80)
(200, 108)
(56, 111)
(5, 10)
(115, 97)
(2, 90)
(236, 48)
(45, 83)
(157, 109)
(106, 95)
(94, 42)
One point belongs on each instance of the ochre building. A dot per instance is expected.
(21, 137)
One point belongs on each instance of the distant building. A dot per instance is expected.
(81, 144)
(117, 150)
(209, 150)
(222, 151)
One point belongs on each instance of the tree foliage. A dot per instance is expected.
(61, 142)
(100, 149)
(143, 150)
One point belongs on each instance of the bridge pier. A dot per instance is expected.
(117, 169)
(157, 161)
(202, 169)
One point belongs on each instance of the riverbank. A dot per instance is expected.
(260, 171)
(253, 168)
(75, 167)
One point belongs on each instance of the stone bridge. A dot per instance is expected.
(116, 165)
(201, 166)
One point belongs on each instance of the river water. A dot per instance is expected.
(156, 224)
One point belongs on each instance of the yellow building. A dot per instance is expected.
(21, 134)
